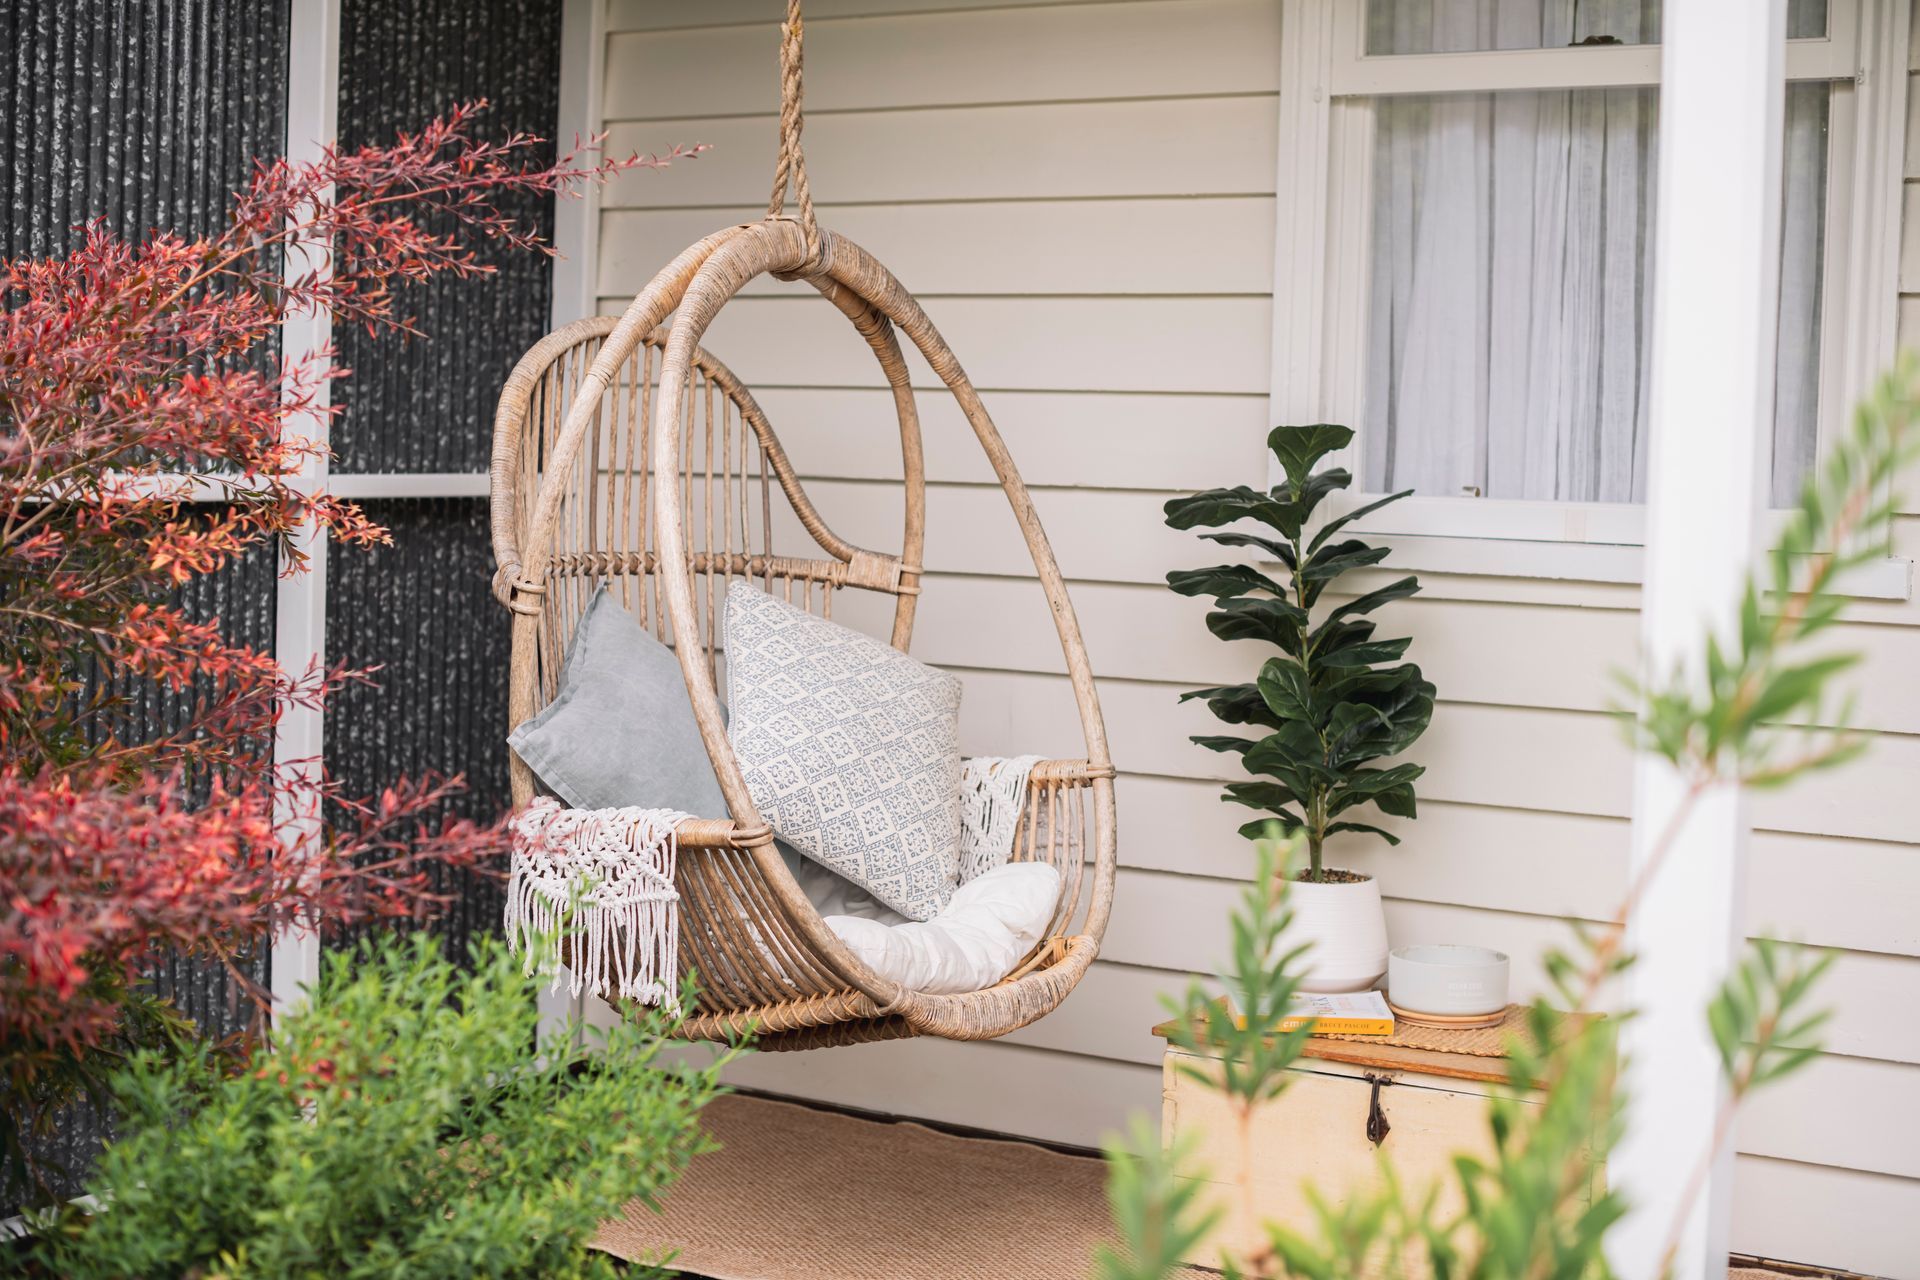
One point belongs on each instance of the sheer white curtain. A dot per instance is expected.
(1512, 247)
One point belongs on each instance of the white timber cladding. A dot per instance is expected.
(1084, 197)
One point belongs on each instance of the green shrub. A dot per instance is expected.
(404, 1124)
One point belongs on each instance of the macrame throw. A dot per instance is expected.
(597, 884)
(993, 791)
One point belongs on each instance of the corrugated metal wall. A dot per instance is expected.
(429, 407)
(143, 112)
(144, 115)
(421, 609)
(242, 597)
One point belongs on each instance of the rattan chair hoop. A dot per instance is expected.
(778, 246)
(772, 963)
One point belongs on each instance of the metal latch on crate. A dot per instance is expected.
(1377, 1126)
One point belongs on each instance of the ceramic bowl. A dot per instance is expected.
(1455, 981)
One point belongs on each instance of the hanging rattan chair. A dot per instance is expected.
(583, 492)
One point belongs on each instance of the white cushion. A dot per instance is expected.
(992, 921)
(850, 749)
(835, 895)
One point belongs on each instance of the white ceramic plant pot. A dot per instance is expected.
(1347, 928)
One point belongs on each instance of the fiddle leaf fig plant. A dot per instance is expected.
(1335, 699)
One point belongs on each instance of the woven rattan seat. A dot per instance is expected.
(625, 453)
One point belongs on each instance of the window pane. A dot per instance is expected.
(1478, 26)
(1510, 308)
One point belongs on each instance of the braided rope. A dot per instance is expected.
(792, 164)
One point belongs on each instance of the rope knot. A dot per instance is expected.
(791, 167)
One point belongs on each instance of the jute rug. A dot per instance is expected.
(799, 1194)
(796, 1193)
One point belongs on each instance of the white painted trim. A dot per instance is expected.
(300, 619)
(1505, 518)
(1889, 579)
(576, 223)
(576, 272)
(1301, 216)
(1715, 295)
(1349, 247)
(373, 486)
(1867, 308)
(357, 485)
(1355, 73)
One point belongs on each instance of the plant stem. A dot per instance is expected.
(1316, 803)
(1259, 1260)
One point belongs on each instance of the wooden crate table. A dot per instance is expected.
(1423, 1092)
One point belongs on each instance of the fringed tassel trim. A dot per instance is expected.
(993, 792)
(596, 886)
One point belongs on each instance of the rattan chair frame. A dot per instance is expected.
(571, 507)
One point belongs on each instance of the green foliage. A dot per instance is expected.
(1155, 1196)
(1334, 699)
(1741, 714)
(1260, 982)
(404, 1123)
(39, 1081)
(1759, 1018)
(1741, 711)
(1156, 1211)
(1534, 1207)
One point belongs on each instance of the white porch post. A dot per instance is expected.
(576, 237)
(313, 96)
(1715, 289)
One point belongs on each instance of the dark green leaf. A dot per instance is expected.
(1363, 655)
(1260, 795)
(1255, 618)
(1236, 704)
(1338, 523)
(1299, 448)
(1305, 499)
(1372, 782)
(1284, 688)
(1213, 507)
(1398, 590)
(1281, 551)
(1350, 724)
(1218, 742)
(1332, 561)
(1384, 834)
(1222, 580)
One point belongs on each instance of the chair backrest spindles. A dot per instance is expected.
(730, 468)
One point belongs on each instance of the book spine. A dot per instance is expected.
(1340, 1026)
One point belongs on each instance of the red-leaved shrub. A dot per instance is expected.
(149, 434)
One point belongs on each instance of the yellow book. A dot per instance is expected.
(1357, 1013)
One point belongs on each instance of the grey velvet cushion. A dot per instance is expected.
(620, 731)
(850, 749)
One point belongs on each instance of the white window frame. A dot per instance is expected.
(301, 605)
(1321, 262)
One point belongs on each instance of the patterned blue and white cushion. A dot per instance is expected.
(850, 748)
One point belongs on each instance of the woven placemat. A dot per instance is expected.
(1478, 1042)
